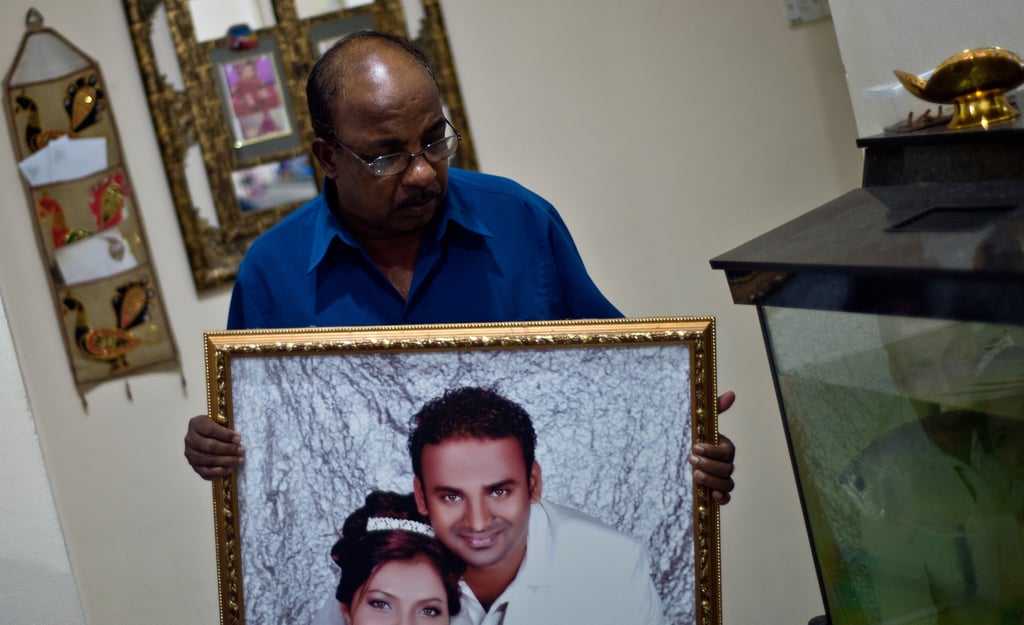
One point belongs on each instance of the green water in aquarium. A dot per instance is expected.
(909, 440)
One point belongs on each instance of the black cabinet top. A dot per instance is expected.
(947, 250)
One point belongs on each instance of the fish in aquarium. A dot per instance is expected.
(941, 507)
(932, 473)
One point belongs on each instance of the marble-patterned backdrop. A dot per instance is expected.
(321, 431)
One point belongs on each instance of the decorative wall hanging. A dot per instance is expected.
(228, 102)
(87, 222)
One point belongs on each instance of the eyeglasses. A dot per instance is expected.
(392, 164)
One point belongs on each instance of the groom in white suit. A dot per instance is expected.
(529, 561)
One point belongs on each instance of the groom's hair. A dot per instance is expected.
(470, 413)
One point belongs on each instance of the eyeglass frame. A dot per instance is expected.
(409, 156)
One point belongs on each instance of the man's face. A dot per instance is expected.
(388, 105)
(477, 493)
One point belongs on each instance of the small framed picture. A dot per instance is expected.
(255, 100)
(325, 415)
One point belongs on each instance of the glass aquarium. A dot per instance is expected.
(893, 316)
(907, 436)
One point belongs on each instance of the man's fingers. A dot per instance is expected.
(713, 464)
(209, 461)
(713, 468)
(725, 401)
(720, 486)
(207, 437)
(211, 449)
(213, 466)
(205, 427)
(724, 451)
(212, 473)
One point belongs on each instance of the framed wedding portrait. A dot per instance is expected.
(325, 416)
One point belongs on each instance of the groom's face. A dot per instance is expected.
(477, 493)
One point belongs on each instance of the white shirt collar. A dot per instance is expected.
(532, 574)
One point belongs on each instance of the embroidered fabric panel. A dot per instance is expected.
(91, 238)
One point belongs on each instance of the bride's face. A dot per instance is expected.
(400, 592)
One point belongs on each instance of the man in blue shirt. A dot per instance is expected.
(494, 252)
(397, 238)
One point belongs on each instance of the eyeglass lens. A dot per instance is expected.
(396, 163)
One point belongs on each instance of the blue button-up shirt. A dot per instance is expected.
(495, 252)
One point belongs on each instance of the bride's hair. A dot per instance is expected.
(397, 531)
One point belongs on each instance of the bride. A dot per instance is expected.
(393, 569)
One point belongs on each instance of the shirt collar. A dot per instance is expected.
(540, 542)
(328, 228)
(456, 210)
(534, 572)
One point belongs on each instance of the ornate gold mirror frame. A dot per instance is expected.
(238, 160)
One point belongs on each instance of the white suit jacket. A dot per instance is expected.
(577, 571)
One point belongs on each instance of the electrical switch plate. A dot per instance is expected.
(803, 11)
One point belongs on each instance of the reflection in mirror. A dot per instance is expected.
(288, 181)
(213, 18)
(237, 159)
(413, 10)
(198, 186)
(312, 8)
(325, 33)
(253, 96)
(163, 48)
(257, 107)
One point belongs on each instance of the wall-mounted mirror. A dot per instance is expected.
(226, 84)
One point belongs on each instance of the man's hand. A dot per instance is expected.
(713, 464)
(212, 449)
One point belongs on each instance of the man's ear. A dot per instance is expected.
(326, 155)
(536, 483)
(421, 499)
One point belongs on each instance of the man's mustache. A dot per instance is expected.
(419, 198)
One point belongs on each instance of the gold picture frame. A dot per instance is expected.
(324, 416)
(202, 156)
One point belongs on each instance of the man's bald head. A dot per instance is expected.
(352, 56)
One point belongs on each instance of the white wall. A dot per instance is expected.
(666, 135)
(136, 522)
(35, 574)
(666, 131)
